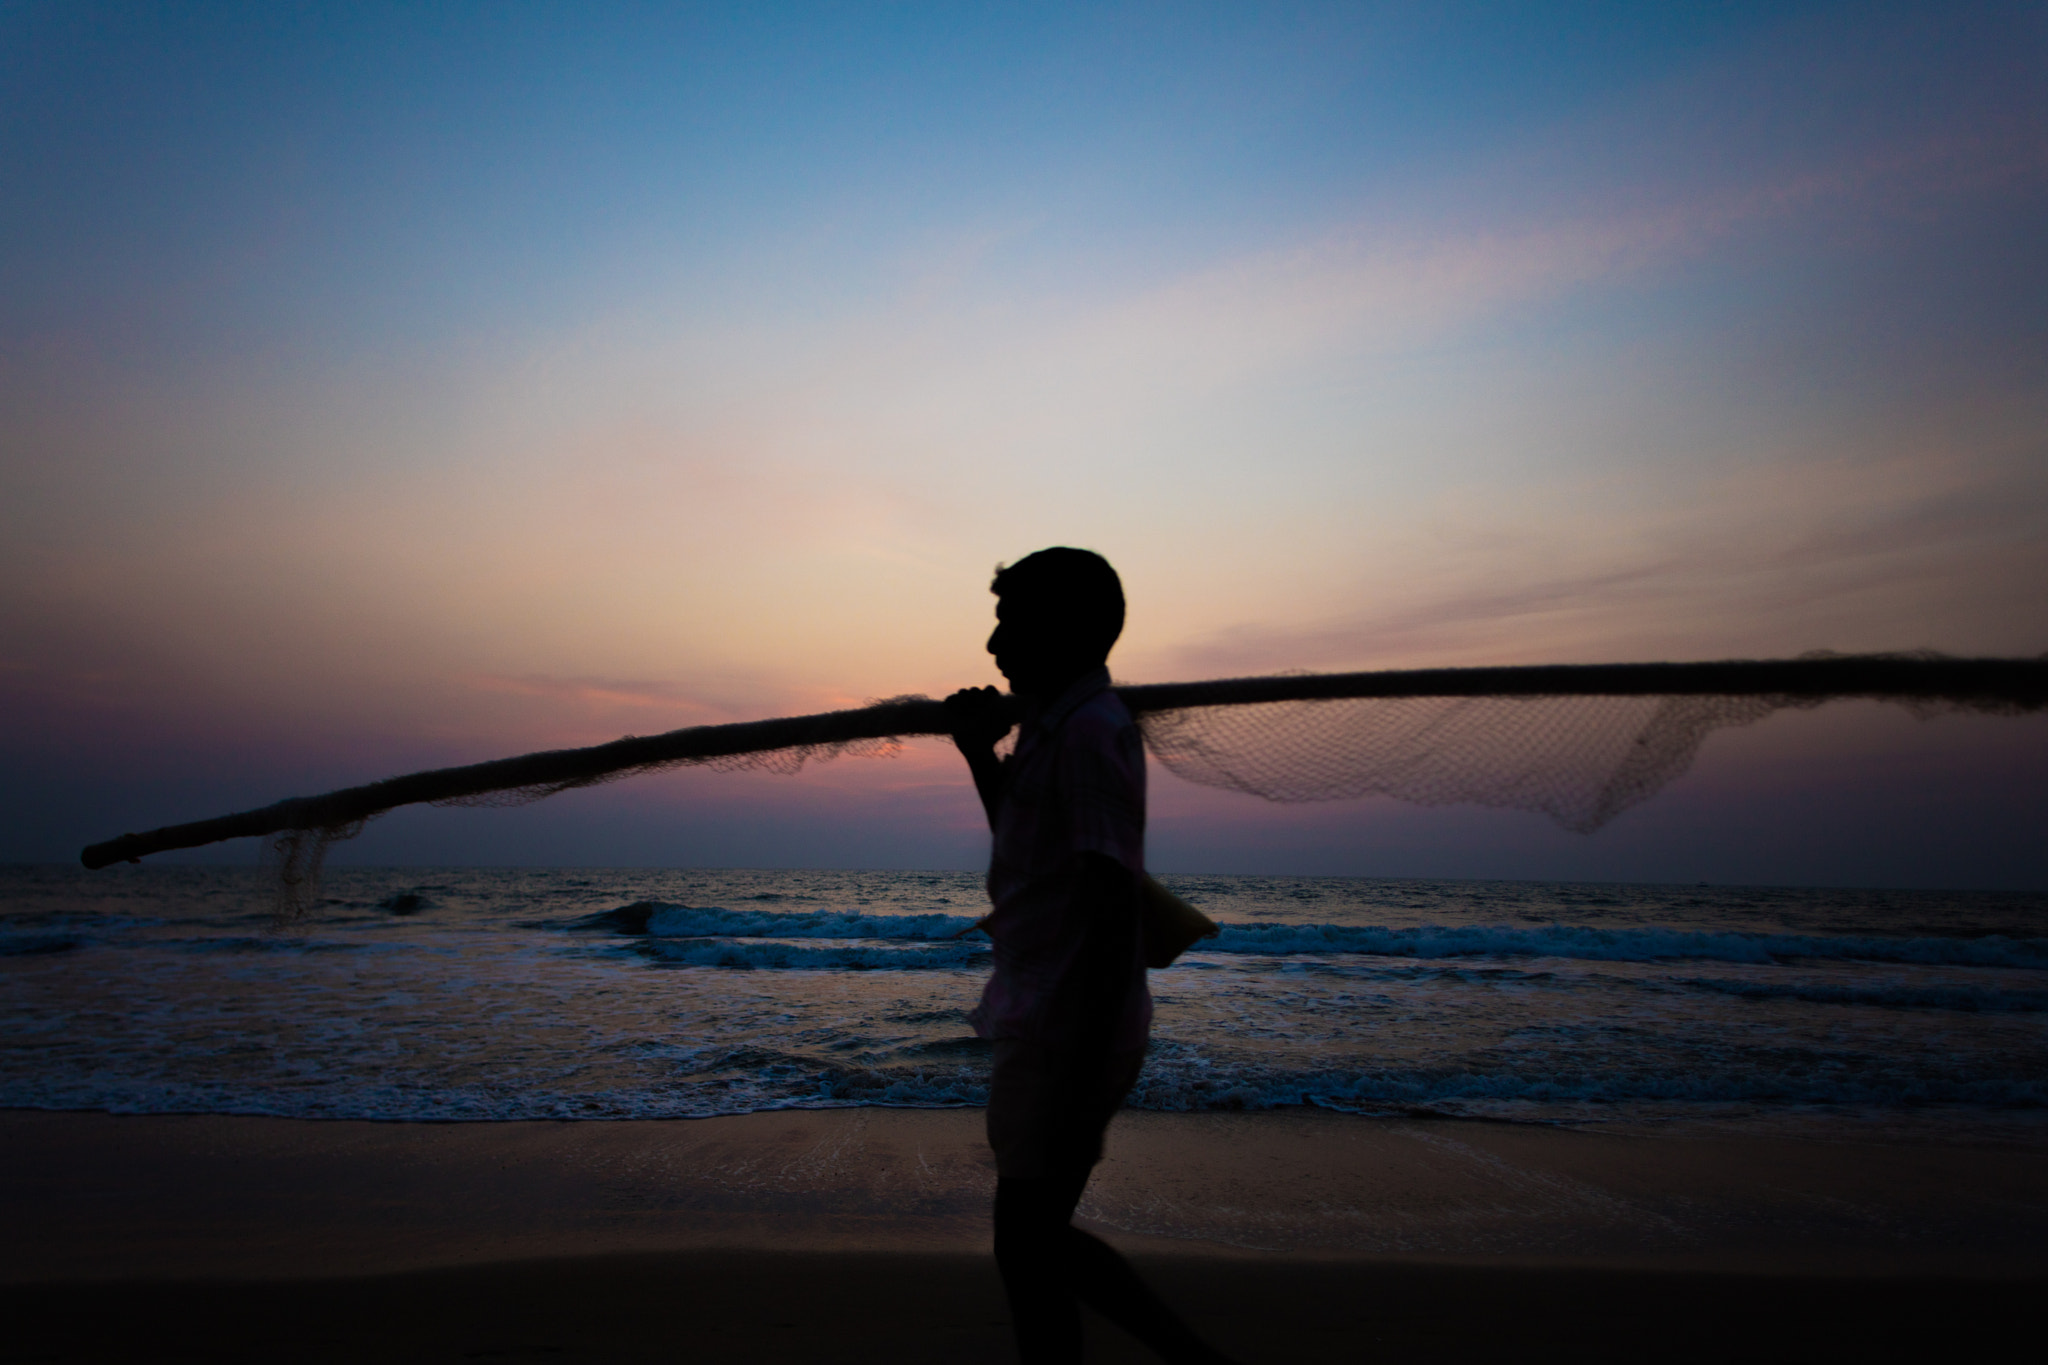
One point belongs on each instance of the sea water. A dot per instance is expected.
(576, 993)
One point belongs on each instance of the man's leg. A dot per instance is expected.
(1047, 1263)
(1031, 1220)
(1027, 1101)
(1105, 1281)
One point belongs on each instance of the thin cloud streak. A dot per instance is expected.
(1774, 561)
(1728, 356)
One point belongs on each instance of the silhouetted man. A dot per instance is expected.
(1066, 1007)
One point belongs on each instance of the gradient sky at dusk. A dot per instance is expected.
(392, 386)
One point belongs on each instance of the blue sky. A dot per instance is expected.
(398, 385)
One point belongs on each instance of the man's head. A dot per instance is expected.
(1057, 614)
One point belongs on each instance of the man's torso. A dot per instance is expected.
(1075, 785)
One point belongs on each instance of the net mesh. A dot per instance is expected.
(294, 857)
(1579, 760)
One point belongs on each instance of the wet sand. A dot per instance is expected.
(862, 1235)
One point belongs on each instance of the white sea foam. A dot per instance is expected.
(1585, 943)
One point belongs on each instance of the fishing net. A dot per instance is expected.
(294, 855)
(293, 858)
(1579, 760)
(1580, 757)
(1578, 743)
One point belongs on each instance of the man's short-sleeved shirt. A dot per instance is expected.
(1075, 784)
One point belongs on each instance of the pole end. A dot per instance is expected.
(121, 850)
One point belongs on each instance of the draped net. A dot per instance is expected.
(1579, 760)
(1578, 743)
(294, 855)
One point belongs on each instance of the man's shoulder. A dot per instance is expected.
(1102, 714)
(1103, 725)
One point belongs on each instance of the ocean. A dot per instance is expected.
(438, 994)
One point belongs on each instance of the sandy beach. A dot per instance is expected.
(860, 1234)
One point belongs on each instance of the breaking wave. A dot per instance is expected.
(688, 921)
(749, 954)
(657, 920)
(1623, 945)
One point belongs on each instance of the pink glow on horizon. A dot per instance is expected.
(311, 480)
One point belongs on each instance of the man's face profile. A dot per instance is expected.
(1032, 650)
(1058, 611)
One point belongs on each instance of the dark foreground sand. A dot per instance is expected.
(861, 1235)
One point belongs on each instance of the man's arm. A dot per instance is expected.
(980, 717)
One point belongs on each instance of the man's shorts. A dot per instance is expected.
(1048, 1107)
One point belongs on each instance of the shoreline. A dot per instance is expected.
(855, 1235)
(96, 1196)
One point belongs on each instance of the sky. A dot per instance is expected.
(391, 386)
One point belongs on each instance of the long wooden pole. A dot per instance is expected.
(2005, 685)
